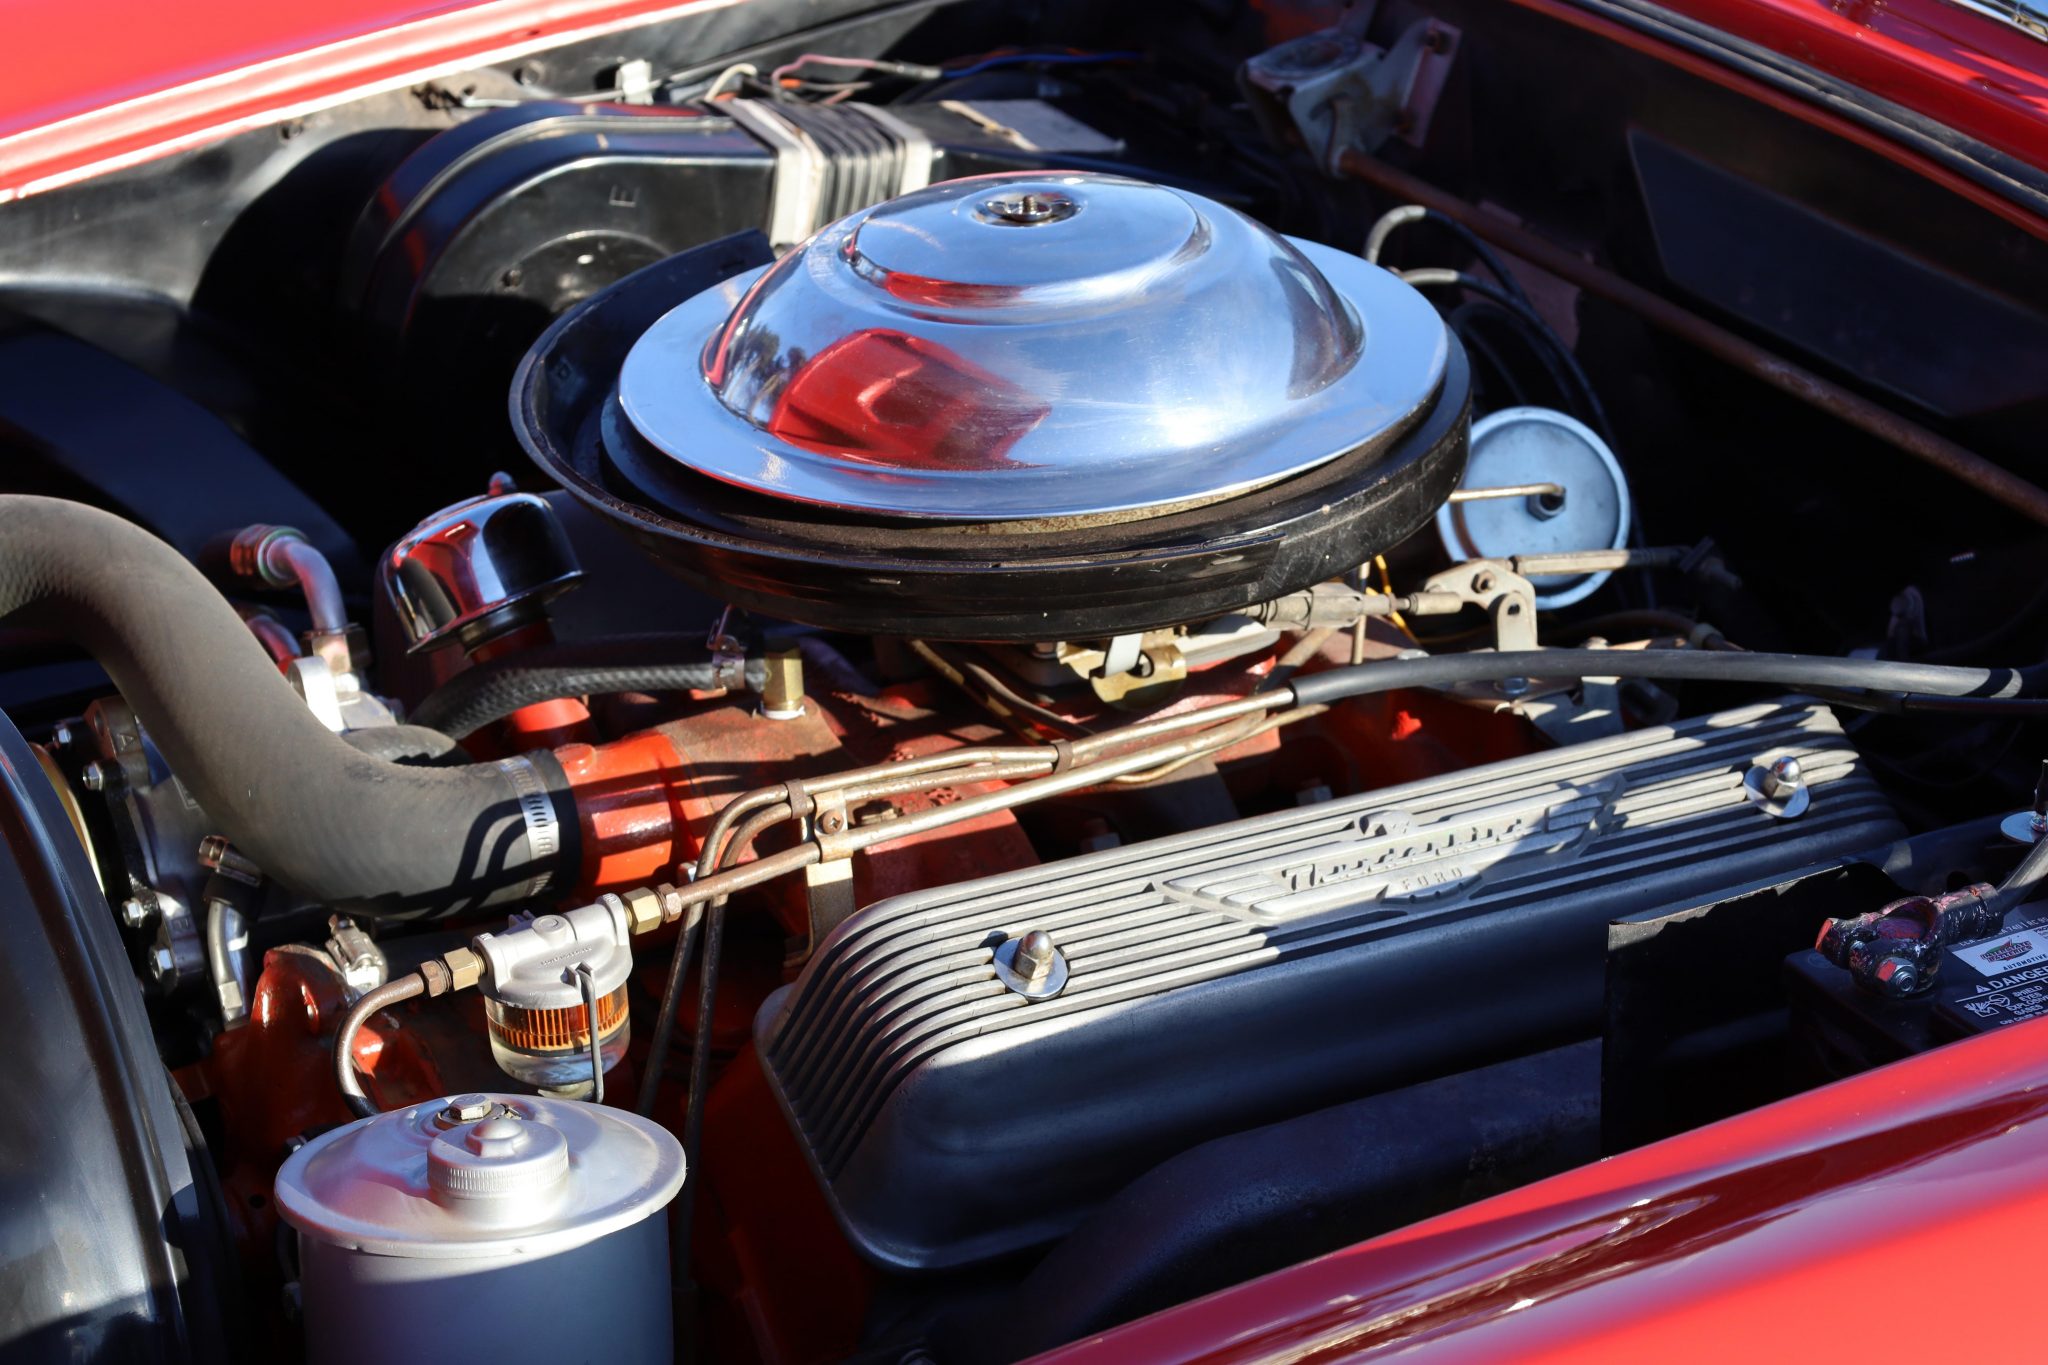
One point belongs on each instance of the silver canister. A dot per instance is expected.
(523, 1219)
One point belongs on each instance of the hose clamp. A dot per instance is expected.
(543, 827)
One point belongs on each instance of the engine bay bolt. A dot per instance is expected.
(1783, 777)
(1028, 208)
(94, 777)
(1032, 965)
(1778, 787)
(1897, 978)
(467, 1108)
(135, 912)
(63, 736)
(216, 854)
(1512, 688)
(163, 966)
(2028, 826)
(1035, 955)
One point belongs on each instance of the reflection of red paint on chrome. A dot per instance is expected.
(952, 293)
(883, 397)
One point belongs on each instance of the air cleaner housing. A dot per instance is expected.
(1024, 406)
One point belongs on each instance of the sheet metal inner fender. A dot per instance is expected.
(109, 1240)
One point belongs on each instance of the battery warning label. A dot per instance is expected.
(2006, 999)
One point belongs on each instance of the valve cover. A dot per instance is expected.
(1225, 979)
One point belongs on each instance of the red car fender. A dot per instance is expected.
(1881, 1218)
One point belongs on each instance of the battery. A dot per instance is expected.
(1990, 983)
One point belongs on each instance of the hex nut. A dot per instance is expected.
(465, 968)
(1783, 777)
(468, 1108)
(643, 909)
(1034, 955)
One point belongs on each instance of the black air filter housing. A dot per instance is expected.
(1016, 407)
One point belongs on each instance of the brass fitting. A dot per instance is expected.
(465, 968)
(643, 909)
(782, 695)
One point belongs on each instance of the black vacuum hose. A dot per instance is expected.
(492, 691)
(335, 825)
(1910, 686)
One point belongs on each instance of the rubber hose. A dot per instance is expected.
(334, 825)
(1782, 670)
(410, 744)
(492, 691)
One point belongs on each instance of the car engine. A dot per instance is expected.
(900, 684)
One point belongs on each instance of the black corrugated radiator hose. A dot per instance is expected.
(336, 825)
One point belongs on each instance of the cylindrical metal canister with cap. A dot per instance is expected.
(529, 1220)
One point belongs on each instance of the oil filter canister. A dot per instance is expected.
(529, 1221)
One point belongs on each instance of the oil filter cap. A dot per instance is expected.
(533, 1177)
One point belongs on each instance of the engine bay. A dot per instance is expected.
(900, 682)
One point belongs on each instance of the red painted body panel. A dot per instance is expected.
(87, 87)
(1888, 1217)
(1977, 76)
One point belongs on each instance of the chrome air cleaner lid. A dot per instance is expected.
(1132, 408)
(1034, 346)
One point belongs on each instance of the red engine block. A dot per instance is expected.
(780, 1282)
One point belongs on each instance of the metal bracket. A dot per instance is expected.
(1340, 93)
(1594, 714)
(728, 656)
(1507, 598)
(830, 826)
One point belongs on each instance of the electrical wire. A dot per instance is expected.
(589, 986)
(1395, 218)
(1036, 58)
(1595, 412)
(665, 1015)
(908, 70)
(1516, 305)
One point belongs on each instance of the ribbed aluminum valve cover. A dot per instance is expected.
(1242, 974)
